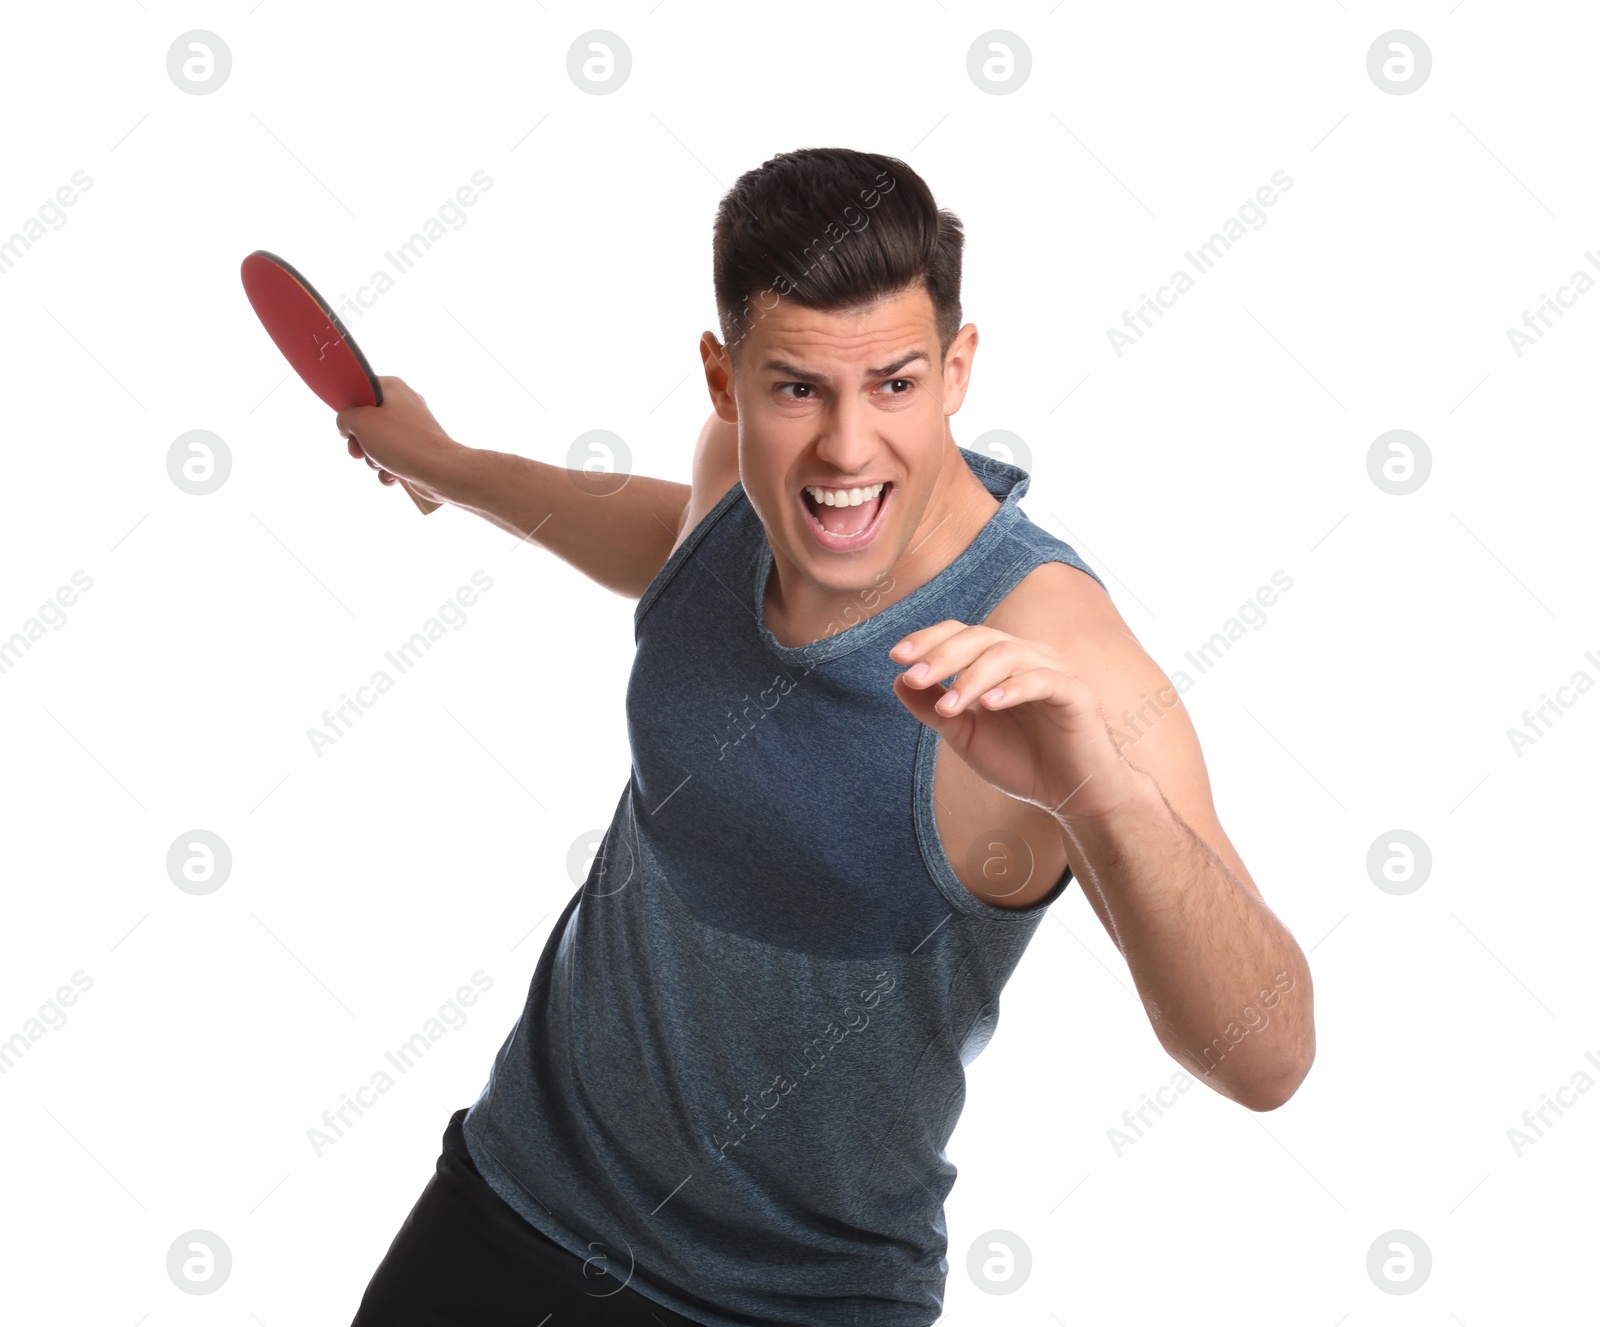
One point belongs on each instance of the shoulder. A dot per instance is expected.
(1062, 601)
(714, 473)
(1061, 607)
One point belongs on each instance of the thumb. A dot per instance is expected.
(349, 419)
(921, 701)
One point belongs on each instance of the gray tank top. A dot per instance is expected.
(743, 1050)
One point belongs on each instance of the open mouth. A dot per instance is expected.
(851, 518)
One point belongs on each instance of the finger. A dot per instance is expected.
(384, 477)
(955, 651)
(354, 447)
(1074, 699)
(938, 651)
(1040, 683)
(926, 707)
(995, 667)
(346, 419)
(916, 645)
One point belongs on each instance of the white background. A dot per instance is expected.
(432, 842)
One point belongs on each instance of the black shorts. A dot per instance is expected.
(464, 1258)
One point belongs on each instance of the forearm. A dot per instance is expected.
(1227, 989)
(620, 538)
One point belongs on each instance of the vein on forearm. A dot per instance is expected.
(1198, 942)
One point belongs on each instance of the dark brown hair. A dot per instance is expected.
(832, 229)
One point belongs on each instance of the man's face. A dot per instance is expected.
(841, 402)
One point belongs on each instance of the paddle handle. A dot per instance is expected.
(424, 505)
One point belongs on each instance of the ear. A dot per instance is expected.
(958, 367)
(718, 361)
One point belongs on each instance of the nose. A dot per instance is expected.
(846, 443)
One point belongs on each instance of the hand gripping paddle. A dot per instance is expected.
(313, 340)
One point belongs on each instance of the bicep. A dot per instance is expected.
(1162, 742)
(1148, 721)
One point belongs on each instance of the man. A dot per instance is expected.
(743, 1050)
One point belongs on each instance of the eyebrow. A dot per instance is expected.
(806, 375)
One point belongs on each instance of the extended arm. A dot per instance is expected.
(617, 536)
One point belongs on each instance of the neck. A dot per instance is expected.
(798, 611)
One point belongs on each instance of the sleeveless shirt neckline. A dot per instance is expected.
(1002, 479)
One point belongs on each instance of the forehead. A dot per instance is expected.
(847, 336)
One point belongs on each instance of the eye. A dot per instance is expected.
(907, 381)
(805, 386)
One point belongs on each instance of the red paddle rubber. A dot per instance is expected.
(312, 338)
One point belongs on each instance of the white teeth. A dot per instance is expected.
(843, 497)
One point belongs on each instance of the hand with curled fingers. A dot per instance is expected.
(401, 439)
(1018, 715)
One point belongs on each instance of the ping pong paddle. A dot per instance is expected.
(313, 340)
